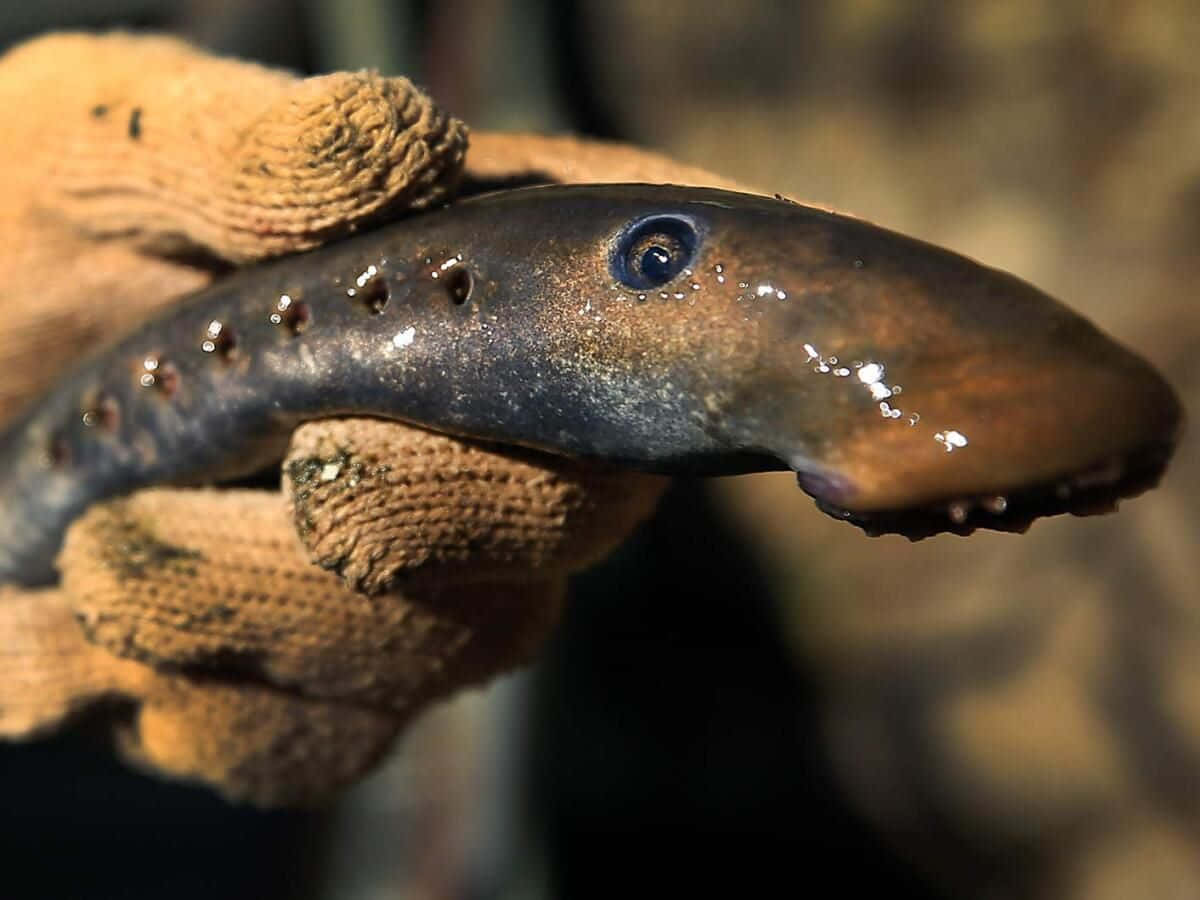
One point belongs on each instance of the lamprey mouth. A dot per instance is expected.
(1094, 491)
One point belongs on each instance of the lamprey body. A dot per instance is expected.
(678, 330)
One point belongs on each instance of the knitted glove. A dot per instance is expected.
(270, 645)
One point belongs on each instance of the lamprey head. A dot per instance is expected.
(911, 389)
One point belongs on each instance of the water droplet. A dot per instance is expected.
(102, 412)
(996, 505)
(158, 373)
(958, 512)
(951, 440)
(219, 339)
(812, 352)
(841, 372)
(404, 338)
(914, 419)
(879, 391)
(641, 298)
(870, 373)
(833, 360)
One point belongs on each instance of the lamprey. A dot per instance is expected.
(676, 330)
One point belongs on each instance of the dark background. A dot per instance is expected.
(749, 695)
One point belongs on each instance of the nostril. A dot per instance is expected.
(459, 284)
(374, 293)
(219, 339)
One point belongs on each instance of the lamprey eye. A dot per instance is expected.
(650, 252)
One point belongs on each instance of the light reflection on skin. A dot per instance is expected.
(404, 338)
(870, 373)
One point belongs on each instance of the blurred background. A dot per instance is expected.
(749, 694)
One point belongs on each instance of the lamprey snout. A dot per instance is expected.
(914, 390)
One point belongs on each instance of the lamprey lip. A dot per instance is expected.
(1096, 491)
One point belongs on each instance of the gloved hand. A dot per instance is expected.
(270, 645)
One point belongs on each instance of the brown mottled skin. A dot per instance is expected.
(896, 378)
